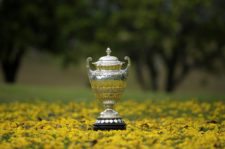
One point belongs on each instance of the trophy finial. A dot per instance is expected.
(108, 51)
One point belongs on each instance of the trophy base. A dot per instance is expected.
(109, 124)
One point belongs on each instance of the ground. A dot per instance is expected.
(39, 68)
(172, 122)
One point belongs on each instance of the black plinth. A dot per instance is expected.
(109, 124)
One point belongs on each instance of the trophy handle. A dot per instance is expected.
(128, 62)
(88, 63)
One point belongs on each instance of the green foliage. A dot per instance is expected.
(183, 35)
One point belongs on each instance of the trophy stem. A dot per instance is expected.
(109, 119)
(108, 104)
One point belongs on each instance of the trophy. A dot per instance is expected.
(108, 82)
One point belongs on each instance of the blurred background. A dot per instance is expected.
(176, 47)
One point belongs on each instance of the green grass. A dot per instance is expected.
(10, 93)
(29, 93)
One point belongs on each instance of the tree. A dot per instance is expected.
(183, 35)
(178, 36)
(23, 25)
(59, 27)
(196, 43)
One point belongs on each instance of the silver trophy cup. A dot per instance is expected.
(108, 82)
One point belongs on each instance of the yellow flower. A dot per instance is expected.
(150, 124)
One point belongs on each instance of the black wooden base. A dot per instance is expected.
(109, 124)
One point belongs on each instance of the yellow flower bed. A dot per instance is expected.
(150, 124)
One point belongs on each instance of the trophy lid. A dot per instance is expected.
(108, 60)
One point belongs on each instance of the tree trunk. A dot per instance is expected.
(153, 73)
(170, 82)
(171, 65)
(152, 70)
(139, 75)
(10, 67)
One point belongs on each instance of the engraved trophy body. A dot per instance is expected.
(108, 82)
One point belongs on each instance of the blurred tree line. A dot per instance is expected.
(181, 35)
